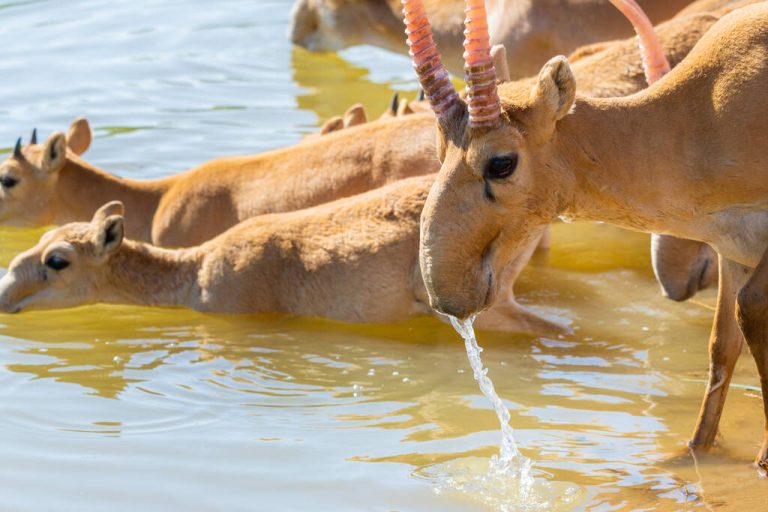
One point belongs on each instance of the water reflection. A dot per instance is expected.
(602, 408)
(323, 76)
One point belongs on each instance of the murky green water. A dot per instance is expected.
(125, 409)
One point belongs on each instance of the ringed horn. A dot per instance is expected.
(479, 73)
(482, 98)
(426, 59)
(655, 63)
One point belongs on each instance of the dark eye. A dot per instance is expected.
(500, 167)
(8, 181)
(56, 263)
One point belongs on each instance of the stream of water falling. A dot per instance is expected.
(510, 461)
(508, 483)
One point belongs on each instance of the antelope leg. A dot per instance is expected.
(725, 344)
(752, 313)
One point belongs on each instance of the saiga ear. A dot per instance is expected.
(499, 55)
(554, 92)
(109, 235)
(107, 210)
(332, 125)
(79, 136)
(355, 115)
(404, 108)
(54, 153)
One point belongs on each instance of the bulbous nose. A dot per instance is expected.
(7, 304)
(458, 290)
(456, 308)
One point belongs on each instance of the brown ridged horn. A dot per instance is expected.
(426, 59)
(479, 72)
(395, 103)
(655, 63)
(33, 139)
(17, 150)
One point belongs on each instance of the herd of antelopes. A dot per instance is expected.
(438, 205)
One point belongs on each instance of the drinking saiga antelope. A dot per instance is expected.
(354, 260)
(683, 157)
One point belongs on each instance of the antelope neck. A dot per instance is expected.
(143, 274)
(82, 189)
(627, 170)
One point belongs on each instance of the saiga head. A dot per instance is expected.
(332, 25)
(66, 267)
(28, 176)
(503, 175)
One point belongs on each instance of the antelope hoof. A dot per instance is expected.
(762, 465)
(761, 461)
(683, 456)
(699, 447)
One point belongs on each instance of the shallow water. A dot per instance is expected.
(124, 409)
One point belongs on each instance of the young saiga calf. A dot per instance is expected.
(354, 260)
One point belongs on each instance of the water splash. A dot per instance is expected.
(506, 482)
(510, 462)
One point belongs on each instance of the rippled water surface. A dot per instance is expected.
(125, 409)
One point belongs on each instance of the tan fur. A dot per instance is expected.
(403, 107)
(355, 260)
(531, 30)
(189, 208)
(354, 116)
(683, 157)
(682, 267)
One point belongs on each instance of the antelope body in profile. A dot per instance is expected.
(683, 157)
(48, 183)
(354, 259)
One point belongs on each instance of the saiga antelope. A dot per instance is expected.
(684, 157)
